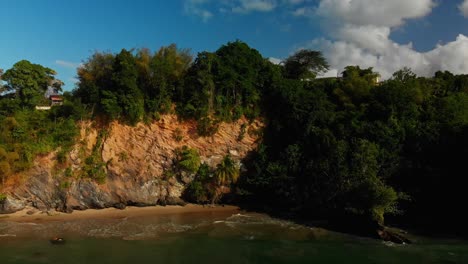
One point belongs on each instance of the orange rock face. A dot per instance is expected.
(135, 160)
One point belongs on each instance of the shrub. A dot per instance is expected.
(200, 189)
(207, 126)
(188, 159)
(196, 192)
(3, 197)
(177, 135)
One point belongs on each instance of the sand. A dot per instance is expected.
(112, 213)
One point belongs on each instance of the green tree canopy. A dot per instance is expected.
(29, 82)
(305, 64)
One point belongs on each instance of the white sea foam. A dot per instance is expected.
(7, 235)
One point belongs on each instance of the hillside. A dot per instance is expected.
(136, 161)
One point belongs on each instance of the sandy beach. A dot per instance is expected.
(113, 213)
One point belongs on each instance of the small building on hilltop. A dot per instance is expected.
(52, 98)
(56, 100)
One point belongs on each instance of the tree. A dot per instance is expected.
(356, 86)
(226, 84)
(160, 74)
(125, 83)
(198, 93)
(305, 64)
(29, 82)
(94, 76)
(404, 75)
(1, 84)
(227, 171)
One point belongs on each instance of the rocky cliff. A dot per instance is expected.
(134, 161)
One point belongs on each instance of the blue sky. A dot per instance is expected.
(62, 34)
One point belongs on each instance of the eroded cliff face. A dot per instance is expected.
(134, 162)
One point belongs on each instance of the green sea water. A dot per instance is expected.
(208, 238)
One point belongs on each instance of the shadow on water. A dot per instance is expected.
(359, 226)
(246, 237)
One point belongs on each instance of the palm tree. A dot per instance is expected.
(226, 171)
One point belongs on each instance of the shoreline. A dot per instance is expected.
(113, 213)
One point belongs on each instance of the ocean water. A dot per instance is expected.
(220, 237)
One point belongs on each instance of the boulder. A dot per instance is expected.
(10, 205)
(120, 206)
(391, 236)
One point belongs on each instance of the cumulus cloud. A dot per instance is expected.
(377, 13)
(360, 35)
(464, 8)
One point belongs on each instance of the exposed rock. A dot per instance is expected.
(391, 236)
(10, 205)
(120, 206)
(135, 160)
(175, 201)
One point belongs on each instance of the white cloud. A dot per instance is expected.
(247, 6)
(206, 9)
(303, 11)
(374, 12)
(195, 7)
(360, 31)
(464, 8)
(67, 64)
(275, 60)
(330, 73)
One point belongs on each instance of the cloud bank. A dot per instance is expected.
(357, 32)
(360, 32)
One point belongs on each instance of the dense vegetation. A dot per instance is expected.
(352, 146)
(332, 146)
(26, 133)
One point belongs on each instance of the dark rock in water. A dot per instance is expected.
(388, 235)
(363, 225)
(120, 206)
(57, 241)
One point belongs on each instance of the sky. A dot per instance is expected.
(425, 35)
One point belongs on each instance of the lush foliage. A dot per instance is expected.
(332, 146)
(131, 85)
(25, 132)
(187, 159)
(208, 182)
(29, 82)
(351, 145)
(305, 65)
